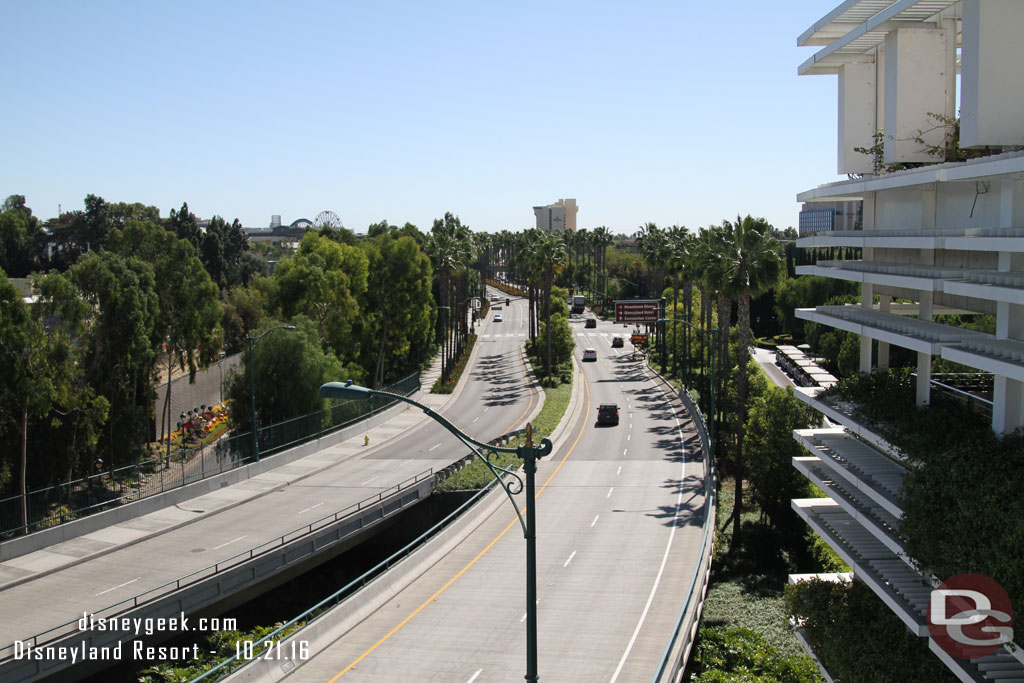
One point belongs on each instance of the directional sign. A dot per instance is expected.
(637, 311)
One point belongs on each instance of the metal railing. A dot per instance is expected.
(681, 641)
(233, 663)
(112, 610)
(64, 502)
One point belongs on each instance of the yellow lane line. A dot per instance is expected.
(490, 545)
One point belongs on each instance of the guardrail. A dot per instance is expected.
(233, 664)
(145, 597)
(677, 651)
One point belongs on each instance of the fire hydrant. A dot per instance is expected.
(366, 440)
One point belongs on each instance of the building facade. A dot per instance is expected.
(556, 217)
(941, 232)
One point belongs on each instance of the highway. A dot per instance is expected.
(619, 513)
(58, 584)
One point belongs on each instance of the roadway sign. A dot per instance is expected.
(639, 340)
(637, 311)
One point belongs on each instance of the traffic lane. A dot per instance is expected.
(148, 564)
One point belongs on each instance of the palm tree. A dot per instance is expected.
(602, 239)
(550, 257)
(678, 257)
(751, 266)
(450, 249)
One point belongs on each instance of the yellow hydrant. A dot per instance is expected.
(366, 440)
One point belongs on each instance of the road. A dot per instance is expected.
(619, 513)
(496, 398)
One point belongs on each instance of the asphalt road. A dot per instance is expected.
(496, 399)
(619, 513)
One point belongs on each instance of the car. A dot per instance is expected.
(498, 318)
(617, 342)
(495, 297)
(495, 308)
(591, 322)
(608, 414)
(589, 354)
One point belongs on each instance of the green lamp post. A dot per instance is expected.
(529, 453)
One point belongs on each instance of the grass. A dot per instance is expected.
(748, 580)
(476, 475)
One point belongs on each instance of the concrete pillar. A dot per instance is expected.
(1007, 405)
(924, 378)
(915, 85)
(882, 363)
(992, 82)
(857, 124)
(867, 297)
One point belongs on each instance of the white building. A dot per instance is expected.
(558, 216)
(947, 236)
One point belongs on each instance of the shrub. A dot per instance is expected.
(741, 655)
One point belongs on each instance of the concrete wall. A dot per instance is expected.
(208, 390)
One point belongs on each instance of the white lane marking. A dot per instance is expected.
(433, 447)
(478, 672)
(627, 436)
(475, 419)
(369, 480)
(218, 547)
(624, 451)
(407, 461)
(619, 471)
(486, 409)
(569, 560)
(311, 507)
(661, 570)
(594, 522)
(610, 492)
(121, 585)
(523, 618)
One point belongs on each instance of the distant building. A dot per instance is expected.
(558, 216)
(818, 216)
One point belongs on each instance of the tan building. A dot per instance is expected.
(558, 216)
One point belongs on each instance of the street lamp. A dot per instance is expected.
(714, 343)
(529, 454)
(252, 385)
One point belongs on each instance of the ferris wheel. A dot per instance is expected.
(327, 219)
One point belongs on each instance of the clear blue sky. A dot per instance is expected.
(669, 111)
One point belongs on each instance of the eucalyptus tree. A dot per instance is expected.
(750, 266)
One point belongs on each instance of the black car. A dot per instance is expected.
(617, 342)
(608, 414)
(591, 322)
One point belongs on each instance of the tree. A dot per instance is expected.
(244, 310)
(550, 257)
(751, 265)
(324, 279)
(21, 238)
(450, 249)
(189, 317)
(118, 354)
(394, 319)
(289, 367)
(184, 225)
(771, 449)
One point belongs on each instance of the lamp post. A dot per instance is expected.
(529, 453)
(714, 343)
(252, 385)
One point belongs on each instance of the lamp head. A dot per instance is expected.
(345, 390)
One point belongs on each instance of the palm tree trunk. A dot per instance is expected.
(741, 397)
(23, 471)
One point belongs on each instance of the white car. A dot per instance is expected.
(498, 318)
(590, 354)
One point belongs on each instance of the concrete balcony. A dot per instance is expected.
(992, 285)
(989, 239)
(905, 275)
(917, 335)
(842, 413)
(903, 590)
(999, 356)
(857, 465)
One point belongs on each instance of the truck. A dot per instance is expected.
(577, 303)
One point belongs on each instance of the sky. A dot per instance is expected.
(673, 112)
